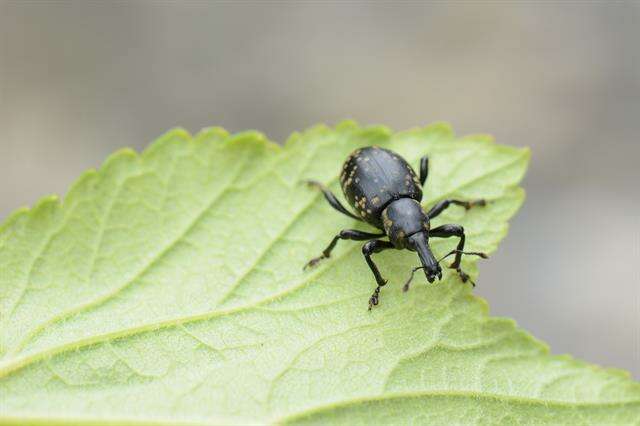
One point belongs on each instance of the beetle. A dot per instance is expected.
(386, 193)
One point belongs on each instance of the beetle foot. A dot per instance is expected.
(312, 183)
(464, 276)
(405, 287)
(375, 298)
(481, 202)
(313, 262)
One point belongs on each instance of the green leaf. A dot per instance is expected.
(168, 288)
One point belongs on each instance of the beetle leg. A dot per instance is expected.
(452, 230)
(345, 234)
(424, 169)
(444, 204)
(333, 201)
(375, 246)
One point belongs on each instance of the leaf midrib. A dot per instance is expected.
(320, 409)
(391, 396)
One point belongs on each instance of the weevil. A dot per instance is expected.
(386, 193)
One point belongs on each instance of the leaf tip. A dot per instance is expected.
(481, 301)
(479, 138)
(377, 131)
(14, 217)
(440, 127)
(176, 133)
(117, 160)
(292, 139)
(440, 130)
(253, 137)
(212, 132)
(45, 206)
(348, 125)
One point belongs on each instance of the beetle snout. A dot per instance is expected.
(432, 273)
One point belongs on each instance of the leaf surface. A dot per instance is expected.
(168, 288)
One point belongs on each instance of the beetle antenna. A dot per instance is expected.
(405, 287)
(472, 253)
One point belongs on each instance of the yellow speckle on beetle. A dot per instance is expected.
(387, 223)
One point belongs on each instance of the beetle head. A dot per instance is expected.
(419, 242)
(407, 226)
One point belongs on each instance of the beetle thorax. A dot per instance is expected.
(402, 218)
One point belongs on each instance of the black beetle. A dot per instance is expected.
(386, 193)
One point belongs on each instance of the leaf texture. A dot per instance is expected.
(168, 288)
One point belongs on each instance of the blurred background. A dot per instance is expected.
(79, 80)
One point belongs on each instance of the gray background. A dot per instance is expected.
(80, 80)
